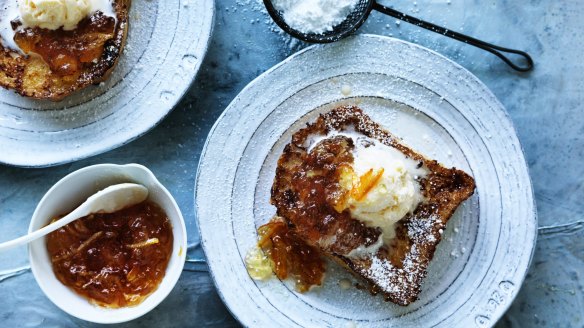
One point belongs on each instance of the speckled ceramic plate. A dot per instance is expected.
(439, 109)
(165, 47)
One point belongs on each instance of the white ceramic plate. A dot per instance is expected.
(439, 109)
(165, 47)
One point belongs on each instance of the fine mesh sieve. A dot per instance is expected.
(362, 10)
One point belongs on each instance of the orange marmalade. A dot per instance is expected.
(116, 259)
(66, 52)
(291, 255)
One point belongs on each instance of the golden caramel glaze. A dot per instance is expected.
(58, 63)
(114, 260)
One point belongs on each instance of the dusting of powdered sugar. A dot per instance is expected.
(362, 124)
(256, 8)
(314, 16)
(403, 283)
(393, 280)
(421, 231)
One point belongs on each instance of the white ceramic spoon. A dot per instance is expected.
(108, 200)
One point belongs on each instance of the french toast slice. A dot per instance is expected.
(306, 187)
(58, 63)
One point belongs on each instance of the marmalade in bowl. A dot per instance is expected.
(113, 259)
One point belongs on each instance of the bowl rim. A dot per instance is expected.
(173, 272)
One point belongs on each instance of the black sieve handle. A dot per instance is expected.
(494, 49)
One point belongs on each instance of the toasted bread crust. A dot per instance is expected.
(396, 271)
(30, 76)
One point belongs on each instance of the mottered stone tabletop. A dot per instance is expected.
(545, 106)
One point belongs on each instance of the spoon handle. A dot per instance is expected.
(494, 49)
(79, 212)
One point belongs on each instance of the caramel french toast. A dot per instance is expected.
(311, 198)
(59, 62)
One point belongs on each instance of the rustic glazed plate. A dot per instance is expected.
(439, 109)
(165, 47)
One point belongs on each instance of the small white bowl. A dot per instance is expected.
(70, 192)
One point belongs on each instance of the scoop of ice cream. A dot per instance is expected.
(53, 14)
(382, 189)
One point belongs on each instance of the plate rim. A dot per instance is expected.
(500, 310)
(210, 18)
